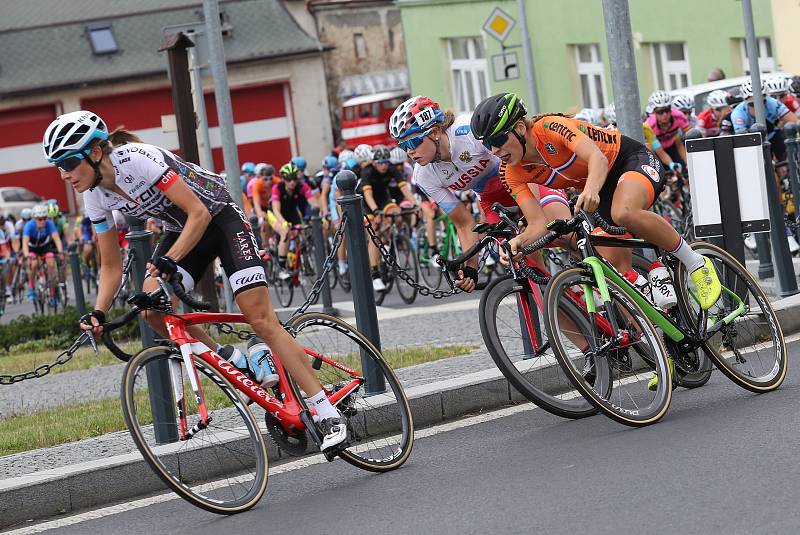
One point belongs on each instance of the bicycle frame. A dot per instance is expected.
(288, 412)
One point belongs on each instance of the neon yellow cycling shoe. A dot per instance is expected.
(652, 384)
(707, 283)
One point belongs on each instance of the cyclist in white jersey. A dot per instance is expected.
(448, 159)
(201, 222)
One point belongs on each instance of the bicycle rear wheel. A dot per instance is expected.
(221, 468)
(407, 261)
(525, 358)
(750, 350)
(621, 357)
(431, 274)
(378, 416)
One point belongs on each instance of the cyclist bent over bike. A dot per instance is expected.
(40, 240)
(201, 222)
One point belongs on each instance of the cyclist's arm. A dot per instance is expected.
(463, 221)
(369, 198)
(682, 150)
(257, 203)
(787, 118)
(26, 240)
(407, 193)
(325, 190)
(110, 269)
(276, 209)
(57, 241)
(597, 162)
(197, 215)
(537, 222)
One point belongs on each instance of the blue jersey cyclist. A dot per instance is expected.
(777, 114)
(40, 239)
(201, 222)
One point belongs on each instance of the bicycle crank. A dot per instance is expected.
(294, 445)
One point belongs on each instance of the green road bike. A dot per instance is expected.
(611, 352)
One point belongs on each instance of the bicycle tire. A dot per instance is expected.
(728, 268)
(388, 276)
(381, 425)
(199, 466)
(539, 380)
(608, 398)
(306, 272)
(407, 260)
(428, 269)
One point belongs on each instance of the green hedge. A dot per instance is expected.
(39, 333)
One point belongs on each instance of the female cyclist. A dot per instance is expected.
(201, 222)
(614, 174)
(449, 158)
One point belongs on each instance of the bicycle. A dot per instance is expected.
(208, 447)
(616, 358)
(449, 248)
(299, 264)
(396, 236)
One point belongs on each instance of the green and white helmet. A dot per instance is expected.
(497, 114)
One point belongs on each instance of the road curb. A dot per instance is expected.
(106, 481)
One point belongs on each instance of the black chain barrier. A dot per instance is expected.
(245, 335)
(391, 262)
(44, 369)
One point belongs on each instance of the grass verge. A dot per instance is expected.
(70, 423)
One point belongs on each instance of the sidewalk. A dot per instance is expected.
(109, 469)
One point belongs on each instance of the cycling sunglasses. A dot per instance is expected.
(661, 111)
(412, 143)
(497, 141)
(387, 162)
(70, 163)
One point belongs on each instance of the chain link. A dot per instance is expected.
(391, 262)
(44, 369)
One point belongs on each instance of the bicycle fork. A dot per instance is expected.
(176, 375)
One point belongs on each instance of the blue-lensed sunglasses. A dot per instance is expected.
(71, 162)
(413, 143)
(497, 141)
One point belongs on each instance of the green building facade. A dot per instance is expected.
(452, 59)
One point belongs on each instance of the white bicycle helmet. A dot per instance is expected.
(363, 153)
(71, 133)
(717, 99)
(610, 113)
(659, 99)
(777, 84)
(346, 155)
(683, 103)
(397, 155)
(589, 115)
(746, 89)
(25, 214)
(40, 210)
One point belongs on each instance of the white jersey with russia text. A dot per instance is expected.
(471, 166)
(144, 172)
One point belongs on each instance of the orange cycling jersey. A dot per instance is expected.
(556, 138)
(264, 190)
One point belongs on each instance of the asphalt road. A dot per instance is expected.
(722, 461)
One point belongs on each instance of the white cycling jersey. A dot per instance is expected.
(144, 172)
(471, 166)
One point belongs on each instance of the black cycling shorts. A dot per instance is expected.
(633, 156)
(42, 250)
(230, 237)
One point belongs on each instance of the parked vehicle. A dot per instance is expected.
(365, 118)
(14, 199)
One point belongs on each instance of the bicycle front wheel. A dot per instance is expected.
(511, 325)
(750, 350)
(379, 422)
(222, 468)
(610, 367)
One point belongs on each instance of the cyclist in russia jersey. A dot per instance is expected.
(289, 202)
(776, 114)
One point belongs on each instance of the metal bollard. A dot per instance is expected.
(787, 283)
(77, 283)
(158, 375)
(319, 261)
(358, 260)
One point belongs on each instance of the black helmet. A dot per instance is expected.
(380, 152)
(497, 114)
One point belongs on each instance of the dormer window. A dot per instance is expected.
(101, 37)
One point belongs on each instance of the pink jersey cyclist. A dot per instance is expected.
(677, 125)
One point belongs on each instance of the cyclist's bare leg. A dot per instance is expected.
(630, 209)
(51, 268)
(255, 304)
(430, 222)
(372, 250)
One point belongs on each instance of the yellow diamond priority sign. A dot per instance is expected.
(499, 24)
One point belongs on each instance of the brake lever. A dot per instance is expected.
(92, 342)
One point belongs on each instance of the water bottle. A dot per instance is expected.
(661, 286)
(235, 357)
(640, 283)
(259, 356)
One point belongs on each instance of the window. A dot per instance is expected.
(670, 65)
(591, 75)
(361, 45)
(468, 65)
(349, 113)
(766, 63)
(101, 38)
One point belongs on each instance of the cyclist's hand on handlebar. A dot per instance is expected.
(163, 266)
(93, 321)
(467, 279)
(515, 244)
(588, 200)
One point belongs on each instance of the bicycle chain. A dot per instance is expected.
(44, 369)
(392, 263)
(245, 335)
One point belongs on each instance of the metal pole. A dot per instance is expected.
(77, 283)
(358, 260)
(622, 61)
(752, 57)
(781, 257)
(319, 260)
(204, 140)
(533, 97)
(222, 96)
(158, 375)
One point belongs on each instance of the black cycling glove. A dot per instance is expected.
(166, 266)
(86, 319)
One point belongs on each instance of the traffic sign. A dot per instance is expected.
(499, 24)
(505, 66)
